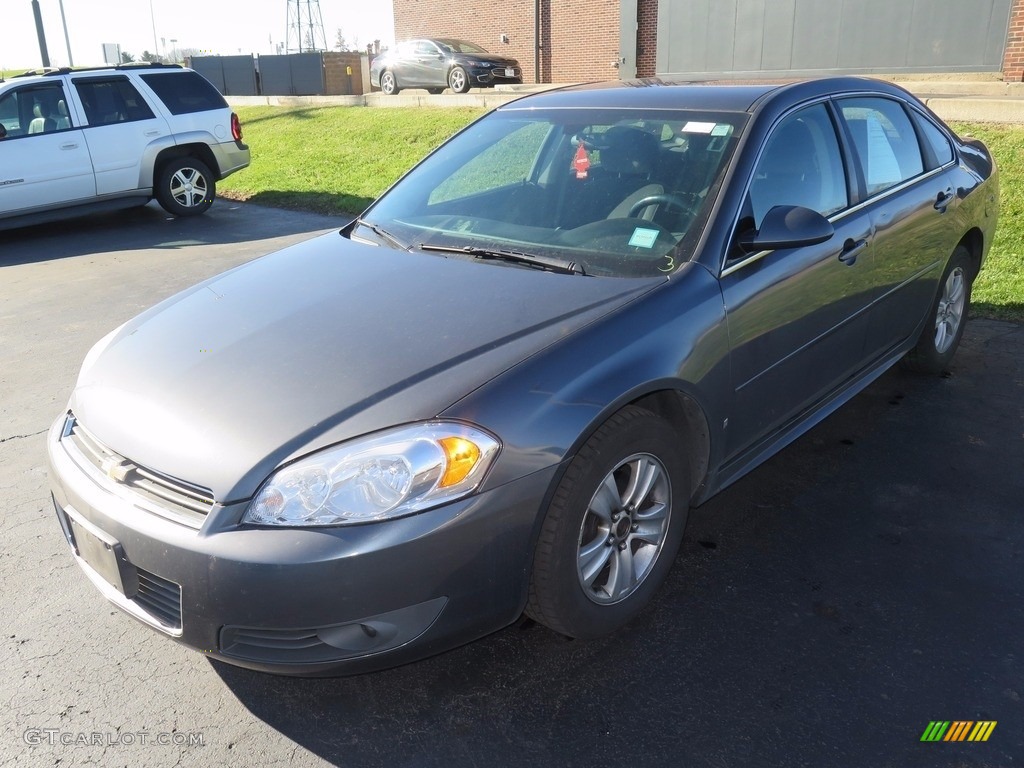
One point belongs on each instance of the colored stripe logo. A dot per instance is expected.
(958, 730)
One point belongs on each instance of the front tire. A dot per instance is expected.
(948, 316)
(388, 83)
(458, 80)
(613, 527)
(186, 187)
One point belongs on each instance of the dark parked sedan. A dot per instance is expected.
(441, 63)
(501, 389)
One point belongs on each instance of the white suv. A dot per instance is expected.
(77, 141)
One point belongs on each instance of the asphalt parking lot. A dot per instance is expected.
(823, 611)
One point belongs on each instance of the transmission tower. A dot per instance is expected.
(305, 27)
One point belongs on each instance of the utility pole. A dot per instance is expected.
(40, 34)
(67, 40)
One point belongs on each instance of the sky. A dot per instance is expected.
(224, 27)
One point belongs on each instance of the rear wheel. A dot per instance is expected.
(458, 80)
(942, 332)
(613, 527)
(388, 83)
(186, 187)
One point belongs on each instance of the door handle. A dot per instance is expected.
(943, 199)
(851, 250)
(69, 145)
(152, 133)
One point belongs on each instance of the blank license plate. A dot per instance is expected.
(509, 72)
(99, 550)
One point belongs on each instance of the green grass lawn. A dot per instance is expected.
(338, 159)
(334, 159)
(999, 290)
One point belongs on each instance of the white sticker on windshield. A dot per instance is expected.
(643, 237)
(695, 127)
(722, 129)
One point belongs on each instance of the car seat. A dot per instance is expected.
(63, 120)
(787, 173)
(628, 160)
(40, 123)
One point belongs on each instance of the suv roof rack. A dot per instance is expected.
(52, 71)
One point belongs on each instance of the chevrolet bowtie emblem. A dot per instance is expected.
(115, 469)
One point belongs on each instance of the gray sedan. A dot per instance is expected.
(501, 388)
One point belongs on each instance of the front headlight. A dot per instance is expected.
(379, 477)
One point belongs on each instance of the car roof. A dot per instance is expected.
(38, 75)
(724, 96)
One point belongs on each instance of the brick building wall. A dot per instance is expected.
(337, 80)
(646, 37)
(1013, 57)
(579, 42)
(584, 40)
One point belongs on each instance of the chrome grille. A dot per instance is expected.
(166, 496)
(160, 598)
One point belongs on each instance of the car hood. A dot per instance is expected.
(489, 58)
(315, 344)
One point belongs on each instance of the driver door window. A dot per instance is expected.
(801, 165)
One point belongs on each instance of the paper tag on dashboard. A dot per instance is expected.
(643, 237)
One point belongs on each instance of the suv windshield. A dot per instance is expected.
(605, 190)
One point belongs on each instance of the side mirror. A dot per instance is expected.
(788, 226)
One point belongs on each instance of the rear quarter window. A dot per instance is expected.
(185, 92)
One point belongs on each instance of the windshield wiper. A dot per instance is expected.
(515, 257)
(378, 230)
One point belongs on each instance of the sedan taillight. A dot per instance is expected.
(236, 127)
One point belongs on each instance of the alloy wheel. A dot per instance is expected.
(951, 310)
(624, 529)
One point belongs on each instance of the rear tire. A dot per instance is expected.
(186, 187)
(946, 320)
(613, 528)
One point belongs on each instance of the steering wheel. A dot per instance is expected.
(669, 200)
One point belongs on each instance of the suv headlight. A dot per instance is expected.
(379, 477)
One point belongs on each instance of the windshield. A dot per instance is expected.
(460, 46)
(608, 192)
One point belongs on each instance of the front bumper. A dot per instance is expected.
(487, 77)
(317, 601)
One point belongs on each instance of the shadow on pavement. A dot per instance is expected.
(151, 227)
(823, 611)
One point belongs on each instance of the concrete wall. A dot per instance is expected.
(744, 37)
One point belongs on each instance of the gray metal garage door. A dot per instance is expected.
(739, 37)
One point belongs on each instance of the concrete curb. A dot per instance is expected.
(978, 110)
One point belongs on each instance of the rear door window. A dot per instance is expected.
(184, 92)
(111, 100)
(885, 142)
